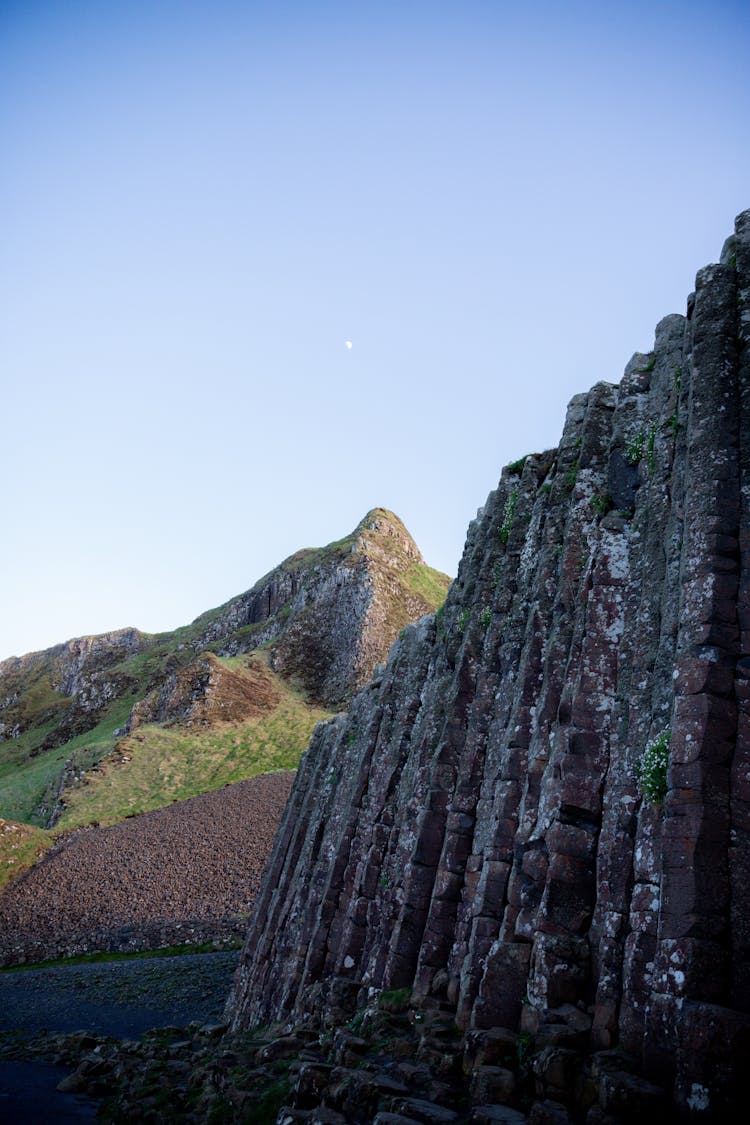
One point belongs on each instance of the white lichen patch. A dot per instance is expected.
(615, 548)
(699, 1099)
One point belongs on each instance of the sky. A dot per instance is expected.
(202, 201)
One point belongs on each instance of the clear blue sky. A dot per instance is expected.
(201, 201)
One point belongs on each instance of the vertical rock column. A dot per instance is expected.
(693, 956)
(738, 250)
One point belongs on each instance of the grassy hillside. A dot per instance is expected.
(29, 781)
(429, 584)
(20, 846)
(156, 765)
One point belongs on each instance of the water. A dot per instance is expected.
(28, 1096)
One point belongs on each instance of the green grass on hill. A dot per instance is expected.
(38, 702)
(168, 764)
(428, 584)
(20, 847)
(26, 782)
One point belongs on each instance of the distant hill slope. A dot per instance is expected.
(185, 873)
(249, 721)
(323, 618)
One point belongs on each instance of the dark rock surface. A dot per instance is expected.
(473, 830)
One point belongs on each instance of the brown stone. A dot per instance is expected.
(492, 1085)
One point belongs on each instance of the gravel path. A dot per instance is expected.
(118, 998)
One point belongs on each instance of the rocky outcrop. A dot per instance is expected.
(63, 691)
(477, 830)
(331, 614)
(207, 692)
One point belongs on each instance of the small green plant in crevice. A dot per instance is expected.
(650, 440)
(439, 618)
(651, 363)
(396, 1000)
(642, 445)
(600, 503)
(651, 771)
(570, 478)
(508, 513)
(524, 1050)
(516, 467)
(486, 617)
(384, 880)
(634, 448)
(546, 487)
(463, 619)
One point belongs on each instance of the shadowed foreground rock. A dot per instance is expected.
(473, 831)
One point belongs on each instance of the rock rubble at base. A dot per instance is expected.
(390, 1068)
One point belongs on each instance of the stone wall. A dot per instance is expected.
(473, 829)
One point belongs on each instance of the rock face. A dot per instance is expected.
(62, 691)
(207, 692)
(332, 614)
(473, 829)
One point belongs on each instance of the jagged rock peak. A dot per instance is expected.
(537, 816)
(332, 613)
(380, 526)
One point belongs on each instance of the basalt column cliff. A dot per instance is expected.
(474, 830)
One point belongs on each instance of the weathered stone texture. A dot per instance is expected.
(473, 829)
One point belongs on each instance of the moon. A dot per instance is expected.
(349, 345)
